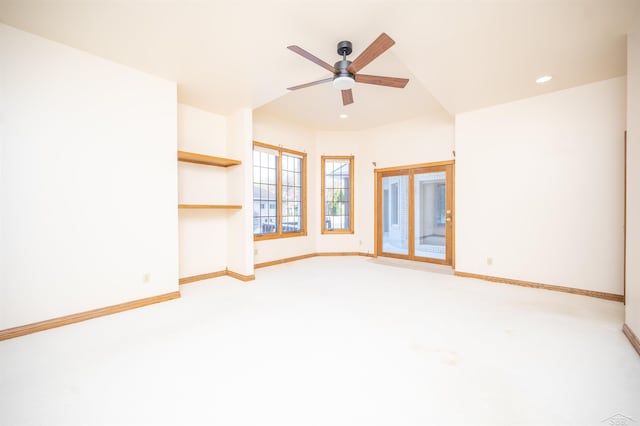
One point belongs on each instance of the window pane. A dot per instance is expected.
(395, 214)
(337, 194)
(264, 220)
(291, 194)
(271, 192)
(429, 205)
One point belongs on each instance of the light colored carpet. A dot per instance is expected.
(331, 341)
(408, 264)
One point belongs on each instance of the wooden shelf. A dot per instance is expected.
(210, 206)
(208, 160)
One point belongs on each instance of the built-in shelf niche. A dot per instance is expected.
(208, 160)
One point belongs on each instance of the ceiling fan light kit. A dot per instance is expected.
(345, 72)
(343, 82)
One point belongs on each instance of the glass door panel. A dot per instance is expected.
(414, 213)
(430, 215)
(395, 215)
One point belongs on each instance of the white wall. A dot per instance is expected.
(632, 311)
(202, 233)
(422, 140)
(88, 181)
(240, 190)
(539, 188)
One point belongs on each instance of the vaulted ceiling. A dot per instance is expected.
(460, 55)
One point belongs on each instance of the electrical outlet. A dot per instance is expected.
(489, 260)
(255, 251)
(146, 278)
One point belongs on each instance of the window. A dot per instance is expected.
(279, 179)
(337, 195)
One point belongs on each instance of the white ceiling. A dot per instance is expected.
(460, 55)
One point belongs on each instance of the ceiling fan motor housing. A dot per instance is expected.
(343, 79)
(342, 66)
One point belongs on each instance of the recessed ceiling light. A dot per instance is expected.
(543, 79)
(343, 116)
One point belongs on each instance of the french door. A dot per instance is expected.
(414, 212)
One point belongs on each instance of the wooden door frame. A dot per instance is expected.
(624, 226)
(410, 171)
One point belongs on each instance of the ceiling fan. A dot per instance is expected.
(345, 73)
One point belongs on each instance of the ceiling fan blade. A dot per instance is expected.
(313, 83)
(300, 51)
(382, 81)
(347, 97)
(375, 49)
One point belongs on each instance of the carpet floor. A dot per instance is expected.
(332, 341)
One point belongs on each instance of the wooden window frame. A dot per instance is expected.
(303, 213)
(323, 227)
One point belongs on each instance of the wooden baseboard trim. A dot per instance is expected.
(194, 278)
(635, 342)
(35, 327)
(285, 260)
(345, 253)
(241, 277)
(306, 256)
(226, 272)
(582, 292)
